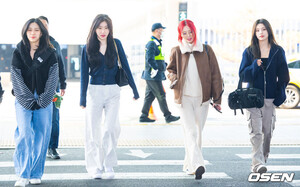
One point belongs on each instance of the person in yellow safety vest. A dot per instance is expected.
(154, 74)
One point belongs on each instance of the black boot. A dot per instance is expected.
(199, 173)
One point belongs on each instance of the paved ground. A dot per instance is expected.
(220, 129)
(155, 166)
(159, 165)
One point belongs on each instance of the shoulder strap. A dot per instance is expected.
(119, 62)
(205, 45)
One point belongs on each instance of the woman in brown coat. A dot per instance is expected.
(195, 69)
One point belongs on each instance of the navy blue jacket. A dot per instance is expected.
(0, 86)
(61, 69)
(103, 75)
(150, 62)
(277, 73)
(1, 91)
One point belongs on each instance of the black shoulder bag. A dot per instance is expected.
(121, 76)
(245, 98)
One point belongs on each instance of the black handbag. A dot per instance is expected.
(245, 98)
(121, 76)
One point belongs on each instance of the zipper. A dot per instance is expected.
(265, 73)
(272, 59)
(265, 84)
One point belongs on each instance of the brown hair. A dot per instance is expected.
(254, 46)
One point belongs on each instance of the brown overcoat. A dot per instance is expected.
(208, 70)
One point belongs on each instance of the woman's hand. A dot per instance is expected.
(259, 62)
(172, 77)
(82, 107)
(217, 106)
(62, 92)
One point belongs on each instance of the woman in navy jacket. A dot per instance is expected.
(264, 66)
(101, 93)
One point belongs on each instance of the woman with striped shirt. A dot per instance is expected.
(34, 74)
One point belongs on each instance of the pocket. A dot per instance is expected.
(273, 117)
(161, 65)
(254, 118)
(248, 116)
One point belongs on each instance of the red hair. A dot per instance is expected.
(191, 25)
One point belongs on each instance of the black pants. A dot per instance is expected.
(154, 89)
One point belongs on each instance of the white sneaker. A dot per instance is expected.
(110, 174)
(21, 182)
(98, 174)
(35, 181)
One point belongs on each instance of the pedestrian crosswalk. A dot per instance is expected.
(229, 170)
(120, 163)
(125, 175)
(119, 175)
(295, 183)
(273, 156)
(280, 168)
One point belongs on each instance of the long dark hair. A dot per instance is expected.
(254, 46)
(93, 44)
(44, 42)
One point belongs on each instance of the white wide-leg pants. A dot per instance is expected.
(101, 139)
(193, 115)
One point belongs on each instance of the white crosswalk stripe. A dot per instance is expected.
(127, 175)
(273, 156)
(118, 175)
(120, 162)
(281, 168)
(295, 183)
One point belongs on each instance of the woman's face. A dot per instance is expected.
(102, 31)
(261, 32)
(34, 33)
(187, 34)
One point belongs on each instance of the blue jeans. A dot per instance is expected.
(55, 129)
(31, 137)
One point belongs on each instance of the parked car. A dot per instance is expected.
(293, 88)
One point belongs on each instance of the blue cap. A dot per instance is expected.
(157, 26)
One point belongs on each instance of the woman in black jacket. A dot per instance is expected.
(34, 74)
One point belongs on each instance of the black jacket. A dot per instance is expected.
(1, 91)
(0, 87)
(61, 69)
(39, 75)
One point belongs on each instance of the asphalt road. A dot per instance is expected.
(161, 166)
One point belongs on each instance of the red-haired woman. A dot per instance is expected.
(196, 70)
